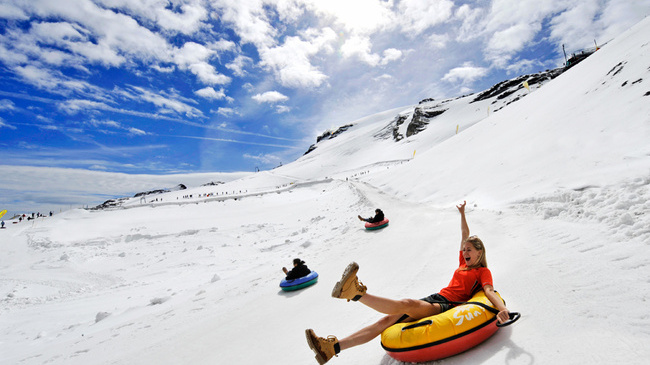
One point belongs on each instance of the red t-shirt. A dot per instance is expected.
(465, 283)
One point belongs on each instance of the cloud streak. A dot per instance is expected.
(237, 141)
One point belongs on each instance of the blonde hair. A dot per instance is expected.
(478, 245)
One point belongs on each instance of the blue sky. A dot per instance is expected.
(180, 86)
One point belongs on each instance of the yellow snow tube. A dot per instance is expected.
(442, 335)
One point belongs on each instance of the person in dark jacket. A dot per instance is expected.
(379, 216)
(299, 270)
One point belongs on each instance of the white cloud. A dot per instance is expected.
(465, 74)
(208, 74)
(227, 112)
(162, 69)
(37, 76)
(75, 106)
(117, 32)
(282, 109)
(132, 131)
(384, 77)
(89, 33)
(167, 104)
(187, 17)
(97, 168)
(465, 90)
(618, 16)
(5, 125)
(438, 41)
(193, 57)
(6, 104)
(11, 11)
(575, 26)
(360, 47)
(358, 17)
(507, 42)
(9, 52)
(290, 61)
(210, 93)
(391, 55)
(73, 38)
(266, 159)
(271, 97)
(192, 53)
(108, 123)
(248, 19)
(238, 65)
(416, 16)
(472, 20)
(55, 82)
(522, 66)
(137, 132)
(510, 26)
(222, 45)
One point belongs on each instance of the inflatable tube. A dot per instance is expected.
(377, 225)
(443, 335)
(303, 282)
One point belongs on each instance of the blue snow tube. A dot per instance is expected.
(302, 282)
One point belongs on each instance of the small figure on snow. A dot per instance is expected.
(299, 270)
(379, 216)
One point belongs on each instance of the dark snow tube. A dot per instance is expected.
(303, 282)
(377, 225)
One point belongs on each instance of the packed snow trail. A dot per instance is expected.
(560, 295)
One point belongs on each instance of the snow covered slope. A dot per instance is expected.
(558, 187)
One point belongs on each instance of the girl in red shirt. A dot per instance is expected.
(471, 276)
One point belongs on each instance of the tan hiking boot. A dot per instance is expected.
(349, 286)
(324, 348)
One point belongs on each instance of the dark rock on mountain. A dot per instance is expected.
(329, 135)
(111, 203)
(508, 87)
(392, 129)
(160, 191)
(420, 120)
(213, 183)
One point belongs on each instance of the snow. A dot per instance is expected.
(558, 188)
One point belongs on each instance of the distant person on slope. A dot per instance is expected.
(299, 270)
(471, 276)
(379, 216)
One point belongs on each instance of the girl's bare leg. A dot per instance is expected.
(395, 309)
(415, 308)
(366, 334)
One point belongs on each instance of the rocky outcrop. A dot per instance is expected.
(508, 87)
(421, 118)
(160, 191)
(329, 135)
(499, 95)
(111, 203)
(213, 183)
(392, 129)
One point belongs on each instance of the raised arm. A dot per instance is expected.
(464, 228)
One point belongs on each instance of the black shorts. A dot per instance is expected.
(445, 305)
